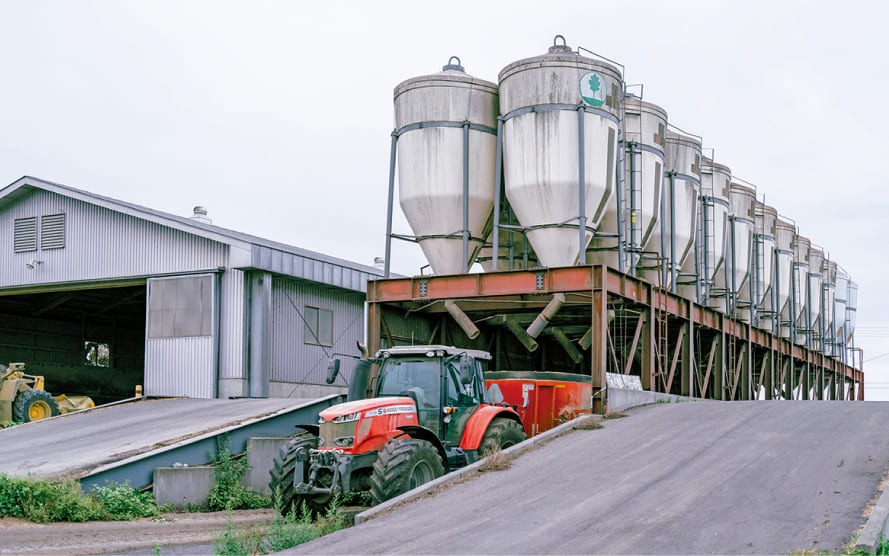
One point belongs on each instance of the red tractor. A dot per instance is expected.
(428, 415)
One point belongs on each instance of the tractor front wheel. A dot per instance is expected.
(282, 480)
(404, 464)
(33, 405)
(501, 434)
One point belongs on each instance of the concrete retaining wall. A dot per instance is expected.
(183, 486)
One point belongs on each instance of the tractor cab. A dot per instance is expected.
(446, 384)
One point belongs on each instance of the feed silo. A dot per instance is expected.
(816, 280)
(446, 144)
(851, 312)
(828, 304)
(764, 247)
(841, 292)
(731, 290)
(715, 181)
(799, 301)
(644, 127)
(785, 234)
(561, 120)
(674, 237)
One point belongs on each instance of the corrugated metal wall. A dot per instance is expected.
(233, 326)
(299, 266)
(101, 244)
(177, 364)
(293, 360)
(177, 367)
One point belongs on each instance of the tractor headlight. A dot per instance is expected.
(321, 420)
(347, 418)
(345, 441)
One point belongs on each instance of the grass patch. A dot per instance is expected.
(54, 501)
(495, 461)
(615, 415)
(283, 532)
(228, 492)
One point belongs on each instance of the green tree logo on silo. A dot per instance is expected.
(592, 88)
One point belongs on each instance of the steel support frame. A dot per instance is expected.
(736, 355)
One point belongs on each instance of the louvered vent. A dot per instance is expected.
(25, 235)
(52, 231)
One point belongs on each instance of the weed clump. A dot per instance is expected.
(283, 532)
(53, 501)
(228, 492)
(495, 461)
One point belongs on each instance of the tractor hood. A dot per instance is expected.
(370, 408)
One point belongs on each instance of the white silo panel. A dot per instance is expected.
(540, 148)
(676, 234)
(430, 162)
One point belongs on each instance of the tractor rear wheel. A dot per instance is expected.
(34, 405)
(501, 434)
(404, 464)
(282, 480)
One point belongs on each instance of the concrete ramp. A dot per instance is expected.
(126, 442)
(671, 478)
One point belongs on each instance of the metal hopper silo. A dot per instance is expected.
(446, 144)
(851, 312)
(560, 122)
(785, 235)
(841, 294)
(764, 247)
(730, 289)
(813, 299)
(828, 305)
(644, 126)
(799, 294)
(674, 237)
(715, 182)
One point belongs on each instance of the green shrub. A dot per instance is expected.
(48, 502)
(122, 503)
(228, 492)
(51, 501)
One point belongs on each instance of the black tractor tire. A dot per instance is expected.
(501, 434)
(33, 405)
(404, 464)
(281, 476)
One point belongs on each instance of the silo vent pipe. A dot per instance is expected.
(462, 319)
(546, 315)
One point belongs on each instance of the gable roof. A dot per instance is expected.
(264, 254)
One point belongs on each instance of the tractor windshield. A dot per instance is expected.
(418, 378)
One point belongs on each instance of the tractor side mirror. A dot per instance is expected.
(333, 370)
(467, 369)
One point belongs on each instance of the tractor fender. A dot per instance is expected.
(478, 424)
(314, 430)
(422, 433)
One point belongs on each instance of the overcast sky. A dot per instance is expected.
(276, 115)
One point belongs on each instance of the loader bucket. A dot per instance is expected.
(68, 404)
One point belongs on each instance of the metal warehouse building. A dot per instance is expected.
(100, 295)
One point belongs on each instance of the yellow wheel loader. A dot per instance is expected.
(23, 399)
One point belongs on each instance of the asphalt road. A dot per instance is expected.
(72, 444)
(687, 478)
